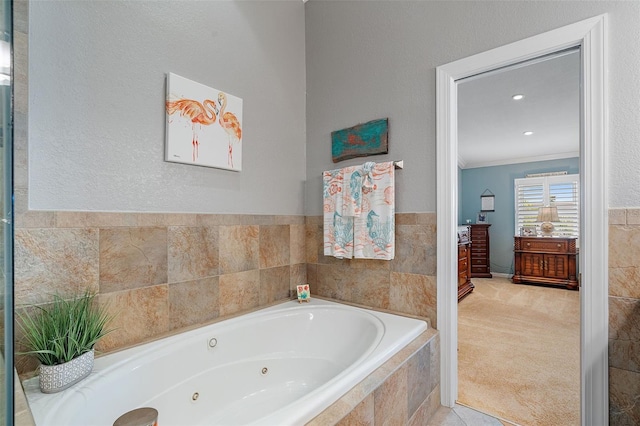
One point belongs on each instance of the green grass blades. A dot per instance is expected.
(65, 329)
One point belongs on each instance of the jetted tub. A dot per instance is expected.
(277, 366)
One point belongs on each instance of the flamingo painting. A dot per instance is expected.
(229, 122)
(203, 125)
(199, 113)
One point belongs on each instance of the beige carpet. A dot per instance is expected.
(519, 352)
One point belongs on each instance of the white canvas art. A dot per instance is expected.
(204, 125)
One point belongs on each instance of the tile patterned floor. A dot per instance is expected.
(461, 415)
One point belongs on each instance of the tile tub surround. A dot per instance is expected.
(624, 316)
(405, 390)
(158, 273)
(406, 284)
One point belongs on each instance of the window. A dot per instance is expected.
(561, 191)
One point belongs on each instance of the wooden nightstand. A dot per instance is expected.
(546, 260)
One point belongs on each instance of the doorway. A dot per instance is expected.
(589, 35)
(519, 344)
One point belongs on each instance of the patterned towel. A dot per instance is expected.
(359, 212)
(374, 228)
(338, 230)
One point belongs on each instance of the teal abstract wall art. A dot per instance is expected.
(365, 139)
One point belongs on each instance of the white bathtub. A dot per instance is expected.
(281, 365)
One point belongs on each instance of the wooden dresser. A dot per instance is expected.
(480, 261)
(465, 286)
(546, 260)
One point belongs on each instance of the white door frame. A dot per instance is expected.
(590, 35)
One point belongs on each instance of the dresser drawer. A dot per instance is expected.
(544, 245)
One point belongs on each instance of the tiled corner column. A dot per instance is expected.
(405, 390)
(406, 284)
(157, 273)
(624, 316)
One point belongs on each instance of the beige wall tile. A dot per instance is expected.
(139, 314)
(48, 261)
(418, 379)
(312, 276)
(313, 242)
(20, 173)
(193, 302)
(370, 264)
(274, 284)
(406, 219)
(414, 294)
(617, 216)
(36, 219)
(331, 282)
(166, 219)
(331, 415)
(362, 415)
(415, 249)
(21, 202)
(368, 287)
(239, 292)
(257, 219)
(132, 257)
(20, 16)
(624, 246)
(298, 276)
(633, 216)
(624, 281)
(297, 249)
(239, 248)
(192, 253)
(624, 389)
(624, 319)
(434, 347)
(95, 219)
(274, 245)
(409, 293)
(215, 220)
(428, 408)
(429, 218)
(288, 220)
(390, 399)
(624, 354)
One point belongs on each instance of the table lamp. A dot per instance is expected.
(546, 215)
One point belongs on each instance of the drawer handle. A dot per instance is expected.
(528, 244)
(559, 245)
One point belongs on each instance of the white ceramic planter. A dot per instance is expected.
(56, 378)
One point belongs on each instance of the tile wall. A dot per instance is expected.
(624, 316)
(158, 272)
(406, 284)
(405, 390)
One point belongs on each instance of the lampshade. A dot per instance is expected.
(546, 215)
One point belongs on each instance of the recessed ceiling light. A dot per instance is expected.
(528, 133)
(517, 97)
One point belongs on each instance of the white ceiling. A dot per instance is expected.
(491, 123)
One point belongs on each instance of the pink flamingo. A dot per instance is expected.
(229, 122)
(198, 113)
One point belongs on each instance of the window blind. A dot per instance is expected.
(560, 191)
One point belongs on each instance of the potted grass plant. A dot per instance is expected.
(62, 336)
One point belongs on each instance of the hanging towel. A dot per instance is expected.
(374, 227)
(338, 228)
